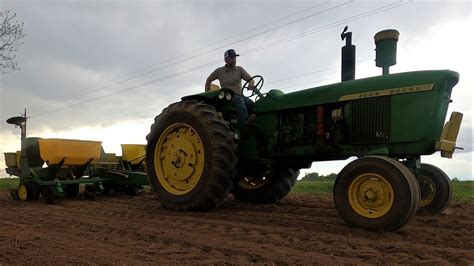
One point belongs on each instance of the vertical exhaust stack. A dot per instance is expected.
(386, 49)
(348, 57)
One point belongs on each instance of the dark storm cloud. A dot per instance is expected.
(75, 46)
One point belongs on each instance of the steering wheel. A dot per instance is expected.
(256, 87)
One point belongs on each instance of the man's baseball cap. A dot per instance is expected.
(230, 53)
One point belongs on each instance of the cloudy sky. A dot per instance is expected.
(102, 70)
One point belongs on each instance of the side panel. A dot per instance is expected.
(371, 120)
(397, 115)
(360, 88)
(419, 116)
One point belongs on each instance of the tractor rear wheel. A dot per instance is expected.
(269, 188)
(436, 189)
(376, 193)
(190, 157)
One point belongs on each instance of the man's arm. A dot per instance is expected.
(251, 85)
(209, 80)
(246, 77)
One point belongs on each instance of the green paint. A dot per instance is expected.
(415, 105)
(331, 93)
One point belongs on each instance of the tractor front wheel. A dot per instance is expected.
(190, 157)
(376, 193)
(436, 189)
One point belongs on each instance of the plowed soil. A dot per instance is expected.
(302, 229)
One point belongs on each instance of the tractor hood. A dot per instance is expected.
(401, 83)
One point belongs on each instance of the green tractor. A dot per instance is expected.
(198, 151)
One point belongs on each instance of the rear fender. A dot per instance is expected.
(212, 98)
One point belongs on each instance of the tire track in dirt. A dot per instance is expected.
(302, 229)
(58, 221)
(264, 233)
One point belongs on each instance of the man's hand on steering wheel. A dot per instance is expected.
(255, 89)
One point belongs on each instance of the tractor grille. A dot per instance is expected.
(371, 120)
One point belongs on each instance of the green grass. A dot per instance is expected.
(312, 187)
(8, 183)
(463, 190)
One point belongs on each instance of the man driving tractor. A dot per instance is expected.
(230, 76)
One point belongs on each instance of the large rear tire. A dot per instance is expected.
(436, 189)
(190, 157)
(376, 193)
(269, 188)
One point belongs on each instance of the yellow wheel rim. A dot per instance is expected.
(371, 195)
(179, 158)
(22, 192)
(428, 190)
(253, 183)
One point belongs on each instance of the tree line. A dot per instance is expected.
(317, 177)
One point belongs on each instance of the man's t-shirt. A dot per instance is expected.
(230, 77)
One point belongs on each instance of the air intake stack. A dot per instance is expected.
(348, 57)
(386, 49)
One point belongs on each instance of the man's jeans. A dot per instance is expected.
(239, 104)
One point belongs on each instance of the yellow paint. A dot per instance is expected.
(11, 159)
(370, 195)
(387, 92)
(447, 142)
(179, 158)
(386, 35)
(75, 152)
(429, 187)
(109, 158)
(18, 157)
(133, 153)
(22, 192)
(215, 87)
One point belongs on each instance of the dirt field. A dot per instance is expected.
(302, 229)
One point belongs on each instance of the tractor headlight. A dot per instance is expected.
(228, 96)
(221, 95)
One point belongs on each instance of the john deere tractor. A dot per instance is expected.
(198, 151)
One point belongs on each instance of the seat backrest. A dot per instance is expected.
(215, 87)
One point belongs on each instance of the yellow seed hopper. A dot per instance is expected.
(69, 164)
(18, 157)
(110, 158)
(74, 152)
(11, 159)
(133, 153)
